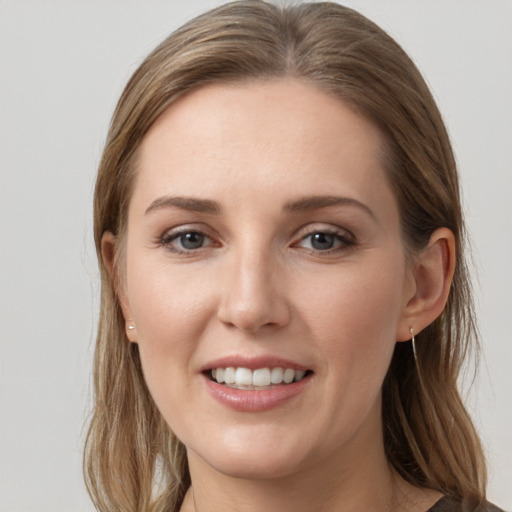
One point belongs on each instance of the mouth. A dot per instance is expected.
(259, 379)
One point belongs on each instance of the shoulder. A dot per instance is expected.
(449, 504)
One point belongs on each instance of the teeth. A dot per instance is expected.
(229, 375)
(261, 377)
(244, 378)
(299, 375)
(289, 375)
(276, 375)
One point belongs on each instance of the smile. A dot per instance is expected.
(257, 379)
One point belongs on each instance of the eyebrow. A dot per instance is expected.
(185, 203)
(308, 203)
(303, 204)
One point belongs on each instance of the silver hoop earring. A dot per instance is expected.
(413, 343)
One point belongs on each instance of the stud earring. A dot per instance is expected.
(131, 327)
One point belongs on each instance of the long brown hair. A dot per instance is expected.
(429, 437)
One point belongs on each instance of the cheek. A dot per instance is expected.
(170, 312)
(361, 299)
(161, 300)
(354, 314)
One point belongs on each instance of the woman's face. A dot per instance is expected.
(263, 235)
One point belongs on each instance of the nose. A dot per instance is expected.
(254, 295)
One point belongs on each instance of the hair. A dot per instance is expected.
(133, 462)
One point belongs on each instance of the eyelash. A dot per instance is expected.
(342, 239)
(169, 237)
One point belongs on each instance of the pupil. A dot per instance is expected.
(322, 241)
(192, 240)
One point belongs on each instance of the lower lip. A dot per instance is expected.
(255, 401)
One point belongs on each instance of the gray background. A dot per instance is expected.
(62, 67)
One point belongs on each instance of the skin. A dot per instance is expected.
(258, 286)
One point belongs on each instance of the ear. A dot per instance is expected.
(432, 276)
(108, 253)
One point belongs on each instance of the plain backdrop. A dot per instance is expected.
(62, 67)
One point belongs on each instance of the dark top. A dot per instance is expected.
(448, 504)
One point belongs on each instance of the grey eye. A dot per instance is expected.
(322, 241)
(192, 240)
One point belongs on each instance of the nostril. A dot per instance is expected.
(251, 318)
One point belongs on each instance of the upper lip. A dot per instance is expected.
(253, 363)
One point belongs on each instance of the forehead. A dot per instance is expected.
(280, 135)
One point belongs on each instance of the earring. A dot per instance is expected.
(413, 343)
(131, 327)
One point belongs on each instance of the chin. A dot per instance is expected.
(251, 460)
(255, 468)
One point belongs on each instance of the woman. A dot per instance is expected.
(285, 303)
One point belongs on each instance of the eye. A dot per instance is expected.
(322, 241)
(185, 241)
(325, 240)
